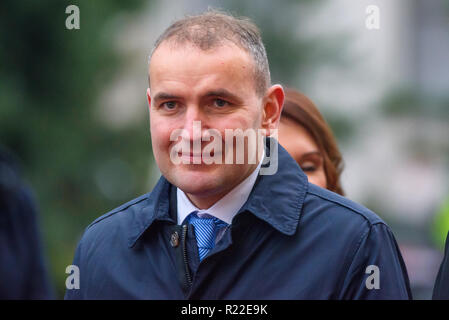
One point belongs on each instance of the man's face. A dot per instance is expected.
(215, 87)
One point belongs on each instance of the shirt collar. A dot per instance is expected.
(277, 199)
(224, 209)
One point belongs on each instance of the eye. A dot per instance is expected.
(308, 168)
(169, 105)
(220, 103)
(311, 162)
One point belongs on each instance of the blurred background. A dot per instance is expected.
(73, 108)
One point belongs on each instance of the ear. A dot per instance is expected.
(272, 107)
(149, 97)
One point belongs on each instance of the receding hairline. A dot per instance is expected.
(249, 62)
(213, 29)
(172, 45)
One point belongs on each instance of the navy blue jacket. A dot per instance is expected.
(290, 240)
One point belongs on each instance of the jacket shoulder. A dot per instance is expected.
(342, 207)
(111, 227)
(130, 205)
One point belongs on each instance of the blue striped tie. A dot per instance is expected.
(205, 232)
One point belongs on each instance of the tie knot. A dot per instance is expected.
(206, 221)
(206, 229)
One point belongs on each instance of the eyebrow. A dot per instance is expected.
(165, 96)
(213, 93)
(222, 93)
(305, 155)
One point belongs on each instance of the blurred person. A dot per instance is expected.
(304, 133)
(23, 273)
(230, 230)
(441, 287)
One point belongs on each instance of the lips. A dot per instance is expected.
(196, 156)
(191, 156)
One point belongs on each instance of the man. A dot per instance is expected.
(230, 229)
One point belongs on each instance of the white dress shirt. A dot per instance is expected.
(224, 209)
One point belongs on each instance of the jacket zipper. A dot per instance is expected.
(184, 253)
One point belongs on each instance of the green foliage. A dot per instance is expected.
(413, 102)
(50, 78)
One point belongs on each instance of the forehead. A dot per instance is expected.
(178, 65)
(293, 133)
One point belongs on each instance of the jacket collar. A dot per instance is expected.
(157, 207)
(277, 199)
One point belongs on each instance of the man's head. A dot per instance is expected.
(213, 29)
(210, 68)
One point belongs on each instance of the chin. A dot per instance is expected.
(194, 181)
(198, 188)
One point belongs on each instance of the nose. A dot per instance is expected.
(194, 123)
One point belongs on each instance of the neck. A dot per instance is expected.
(206, 200)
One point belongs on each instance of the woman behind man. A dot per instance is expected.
(304, 133)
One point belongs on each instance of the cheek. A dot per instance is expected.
(222, 124)
(318, 178)
(243, 121)
(160, 134)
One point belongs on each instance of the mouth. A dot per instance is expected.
(190, 156)
(196, 158)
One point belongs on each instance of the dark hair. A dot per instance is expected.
(211, 28)
(302, 110)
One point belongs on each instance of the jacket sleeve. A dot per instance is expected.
(377, 271)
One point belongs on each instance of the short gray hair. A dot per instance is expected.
(211, 28)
